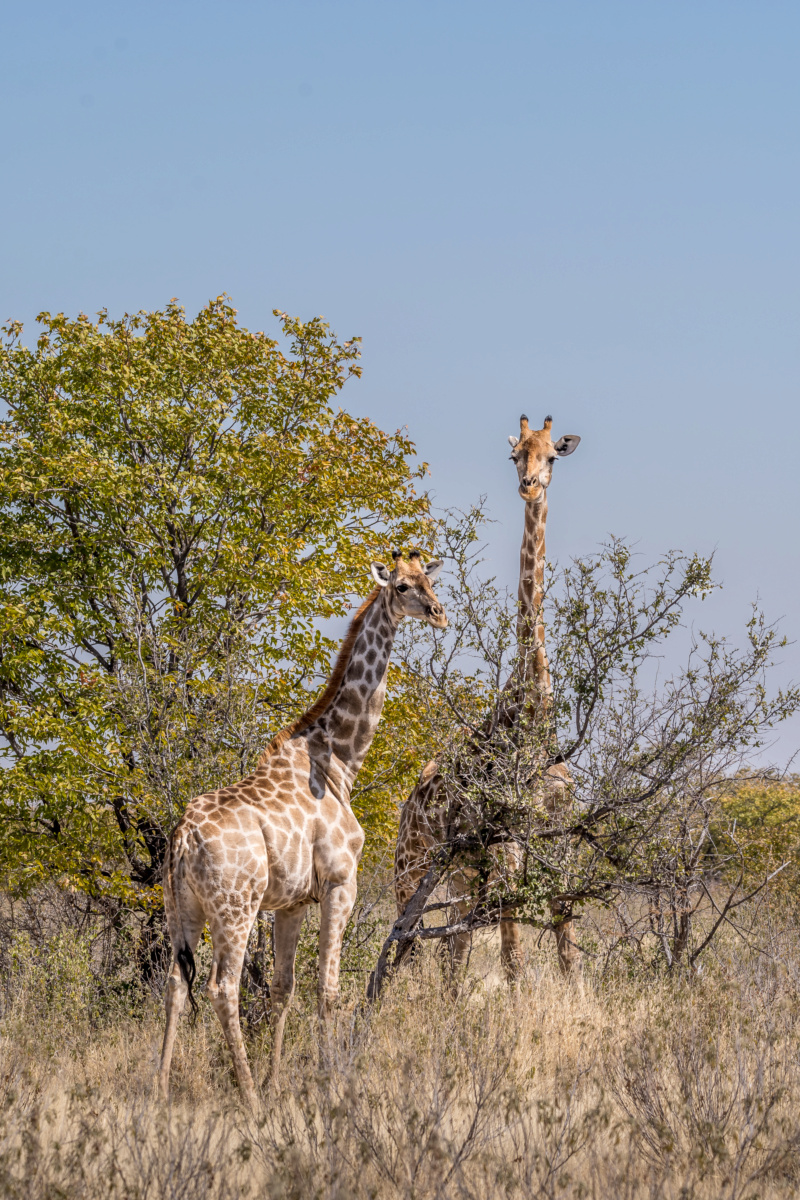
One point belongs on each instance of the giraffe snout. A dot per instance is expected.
(435, 614)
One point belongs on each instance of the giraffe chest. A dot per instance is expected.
(311, 845)
(302, 869)
(277, 834)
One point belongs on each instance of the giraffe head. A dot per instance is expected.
(534, 452)
(409, 588)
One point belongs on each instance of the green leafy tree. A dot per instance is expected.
(180, 504)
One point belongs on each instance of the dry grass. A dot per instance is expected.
(634, 1086)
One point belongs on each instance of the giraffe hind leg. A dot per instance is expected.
(229, 938)
(185, 931)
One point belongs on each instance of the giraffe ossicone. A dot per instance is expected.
(285, 837)
(428, 811)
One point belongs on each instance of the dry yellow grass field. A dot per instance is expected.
(629, 1085)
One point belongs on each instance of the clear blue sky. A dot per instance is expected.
(590, 208)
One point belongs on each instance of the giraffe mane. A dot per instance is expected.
(325, 699)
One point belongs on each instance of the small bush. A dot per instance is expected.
(760, 827)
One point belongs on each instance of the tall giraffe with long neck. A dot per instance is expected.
(285, 837)
(534, 454)
(425, 813)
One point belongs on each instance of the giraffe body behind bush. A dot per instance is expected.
(428, 813)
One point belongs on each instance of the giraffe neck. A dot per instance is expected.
(534, 666)
(345, 730)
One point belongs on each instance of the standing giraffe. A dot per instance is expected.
(285, 836)
(424, 816)
(534, 453)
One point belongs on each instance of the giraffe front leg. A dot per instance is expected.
(286, 935)
(335, 909)
(510, 947)
(458, 946)
(569, 955)
(510, 935)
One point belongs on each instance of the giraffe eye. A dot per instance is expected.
(402, 587)
(552, 460)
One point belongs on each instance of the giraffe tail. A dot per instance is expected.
(188, 971)
(181, 948)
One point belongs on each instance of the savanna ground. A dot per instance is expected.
(628, 1082)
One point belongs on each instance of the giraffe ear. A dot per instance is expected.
(432, 570)
(513, 441)
(380, 574)
(566, 444)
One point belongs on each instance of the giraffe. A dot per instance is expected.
(425, 814)
(285, 837)
(534, 453)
